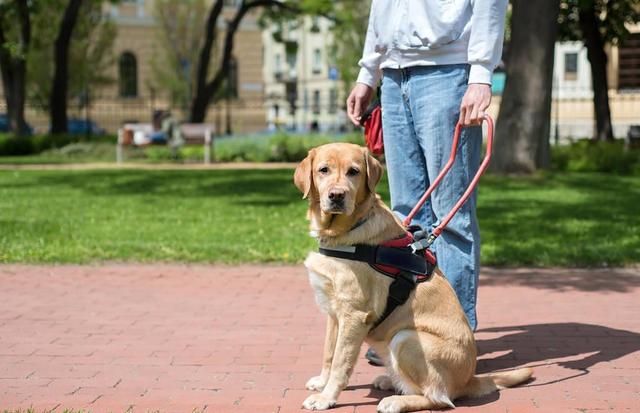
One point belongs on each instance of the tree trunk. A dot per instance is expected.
(205, 91)
(598, 60)
(200, 102)
(58, 98)
(14, 84)
(522, 129)
(14, 71)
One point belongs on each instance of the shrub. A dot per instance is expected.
(13, 146)
(596, 156)
(280, 147)
(29, 145)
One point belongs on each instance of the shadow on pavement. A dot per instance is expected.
(542, 344)
(610, 279)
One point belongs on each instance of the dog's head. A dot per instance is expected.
(338, 177)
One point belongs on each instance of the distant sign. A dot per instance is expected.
(334, 73)
(251, 87)
(497, 82)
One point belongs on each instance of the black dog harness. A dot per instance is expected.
(399, 259)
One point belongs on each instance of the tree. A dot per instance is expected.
(522, 130)
(349, 31)
(15, 38)
(180, 29)
(58, 100)
(206, 87)
(598, 22)
(90, 52)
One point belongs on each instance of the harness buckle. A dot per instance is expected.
(423, 243)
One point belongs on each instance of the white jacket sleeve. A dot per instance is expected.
(370, 62)
(487, 34)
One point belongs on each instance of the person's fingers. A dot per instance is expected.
(473, 115)
(468, 111)
(357, 110)
(480, 118)
(463, 112)
(350, 109)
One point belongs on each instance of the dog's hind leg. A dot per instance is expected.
(415, 361)
(317, 383)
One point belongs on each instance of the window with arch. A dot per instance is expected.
(128, 71)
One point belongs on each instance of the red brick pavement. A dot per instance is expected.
(176, 338)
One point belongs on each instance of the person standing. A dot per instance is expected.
(435, 59)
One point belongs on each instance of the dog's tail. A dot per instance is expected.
(488, 383)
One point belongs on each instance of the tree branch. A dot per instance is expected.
(25, 38)
(209, 39)
(232, 28)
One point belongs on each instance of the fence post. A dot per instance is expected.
(207, 146)
(119, 149)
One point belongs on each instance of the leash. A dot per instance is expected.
(426, 242)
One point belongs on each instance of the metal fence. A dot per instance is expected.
(574, 115)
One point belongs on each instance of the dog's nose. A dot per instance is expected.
(336, 195)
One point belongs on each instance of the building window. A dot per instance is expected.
(317, 61)
(315, 108)
(232, 78)
(315, 24)
(277, 66)
(305, 100)
(128, 71)
(291, 50)
(570, 66)
(333, 101)
(628, 67)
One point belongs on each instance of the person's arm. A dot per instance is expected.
(368, 77)
(485, 43)
(370, 62)
(483, 54)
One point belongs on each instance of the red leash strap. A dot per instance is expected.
(474, 182)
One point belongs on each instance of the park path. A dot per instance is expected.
(182, 338)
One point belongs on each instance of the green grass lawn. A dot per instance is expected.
(233, 216)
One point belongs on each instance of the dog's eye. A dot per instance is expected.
(353, 172)
(323, 170)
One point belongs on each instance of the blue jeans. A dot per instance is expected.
(420, 108)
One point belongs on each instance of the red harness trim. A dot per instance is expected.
(402, 243)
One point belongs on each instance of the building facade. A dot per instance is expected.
(302, 87)
(131, 98)
(572, 107)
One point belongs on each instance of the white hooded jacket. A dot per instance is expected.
(405, 33)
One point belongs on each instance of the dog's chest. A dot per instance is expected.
(321, 286)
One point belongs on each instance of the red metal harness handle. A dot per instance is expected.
(474, 182)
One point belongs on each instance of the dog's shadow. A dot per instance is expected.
(540, 345)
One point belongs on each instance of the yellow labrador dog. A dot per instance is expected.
(427, 345)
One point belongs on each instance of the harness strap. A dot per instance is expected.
(410, 269)
(400, 258)
(399, 292)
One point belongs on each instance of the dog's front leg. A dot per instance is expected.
(351, 333)
(317, 383)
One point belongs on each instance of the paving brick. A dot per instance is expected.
(140, 338)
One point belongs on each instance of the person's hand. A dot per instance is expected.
(357, 102)
(475, 101)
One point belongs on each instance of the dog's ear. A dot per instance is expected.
(374, 171)
(303, 177)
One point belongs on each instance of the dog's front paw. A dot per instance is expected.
(318, 402)
(389, 405)
(383, 383)
(316, 383)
